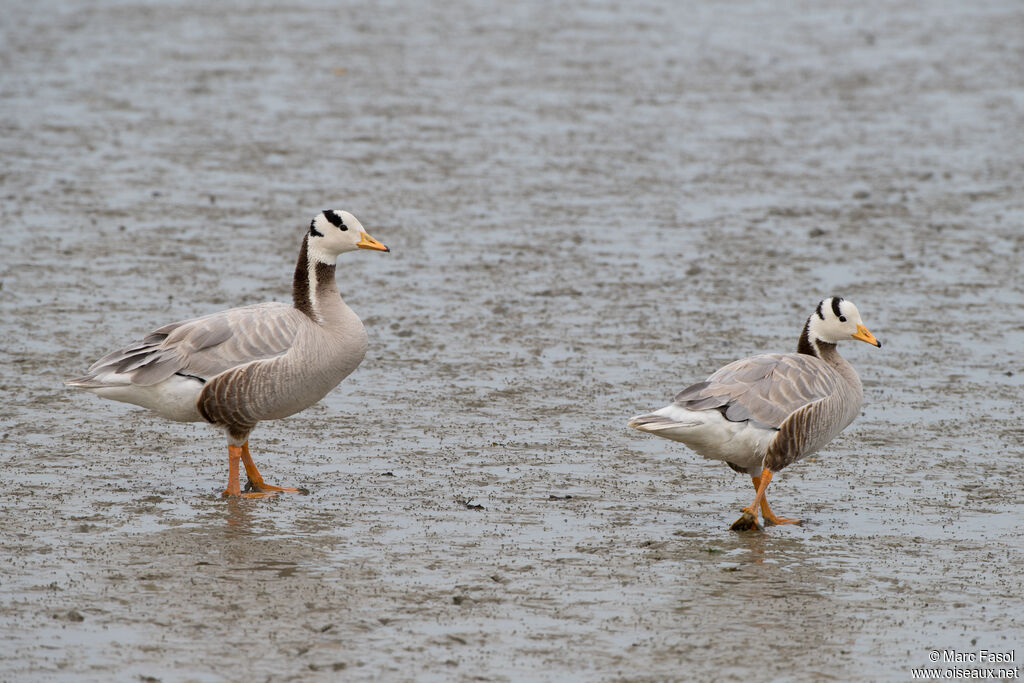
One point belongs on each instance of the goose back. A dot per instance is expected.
(806, 399)
(766, 388)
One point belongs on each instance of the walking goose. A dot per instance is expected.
(243, 365)
(762, 413)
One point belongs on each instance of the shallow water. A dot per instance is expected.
(588, 208)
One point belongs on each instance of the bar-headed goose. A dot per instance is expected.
(243, 365)
(765, 412)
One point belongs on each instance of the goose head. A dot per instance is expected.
(836, 320)
(335, 232)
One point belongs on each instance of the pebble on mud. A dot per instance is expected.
(70, 615)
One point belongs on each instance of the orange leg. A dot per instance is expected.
(749, 518)
(771, 518)
(256, 482)
(236, 453)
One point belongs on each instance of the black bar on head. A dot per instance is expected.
(334, 218)
(835, 305)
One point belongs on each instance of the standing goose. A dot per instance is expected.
(765, 412)
(243, 365)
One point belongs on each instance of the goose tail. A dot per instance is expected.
(652, 422)
(671, 422)
(85, 382)
(671, 417)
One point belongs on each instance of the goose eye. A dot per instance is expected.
(842, 318)
(343, 227)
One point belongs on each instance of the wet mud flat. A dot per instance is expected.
(588, 209)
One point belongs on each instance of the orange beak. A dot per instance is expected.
(865, 336)
(367, 242)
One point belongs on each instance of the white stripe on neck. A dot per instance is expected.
(315, 255)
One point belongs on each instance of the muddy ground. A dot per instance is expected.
(589, 208)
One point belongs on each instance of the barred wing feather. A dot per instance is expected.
(765, 389)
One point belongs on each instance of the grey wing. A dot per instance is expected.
(765, 389)
(205, 347)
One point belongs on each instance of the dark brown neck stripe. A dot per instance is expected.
(805, 345)
(324, 275)
(300, 284)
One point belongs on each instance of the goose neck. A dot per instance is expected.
(314, 290)
(826, 351)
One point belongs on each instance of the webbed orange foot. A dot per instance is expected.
(771, 519)
(748, 522)
(256, 483)
(256, 489)
(263, 488)
(248, 494)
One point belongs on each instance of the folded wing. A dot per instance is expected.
(764, 389)
(201, 347)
